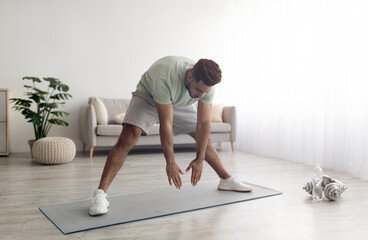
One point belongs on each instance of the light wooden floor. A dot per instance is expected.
(25, 185)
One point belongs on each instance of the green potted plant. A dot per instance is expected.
(45, 112)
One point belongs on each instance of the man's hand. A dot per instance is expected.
(197, 167)
(172, 171)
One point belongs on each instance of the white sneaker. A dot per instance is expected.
(99, 203)
(233, 184)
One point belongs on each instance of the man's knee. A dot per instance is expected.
(130, 135)
(210, 147)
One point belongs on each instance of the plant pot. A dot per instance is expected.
(31, 142)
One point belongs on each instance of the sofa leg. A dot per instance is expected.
(84, 147)
(90, 152)
(232, 146)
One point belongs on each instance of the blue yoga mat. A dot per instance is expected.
(73, 217)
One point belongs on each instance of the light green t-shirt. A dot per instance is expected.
(164, 82)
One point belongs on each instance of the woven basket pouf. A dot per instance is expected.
(53, 150)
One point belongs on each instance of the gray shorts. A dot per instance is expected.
(143, 114)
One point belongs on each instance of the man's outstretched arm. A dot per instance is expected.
(202, 136)
(165, 115)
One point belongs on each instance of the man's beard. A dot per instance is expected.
(188, 88)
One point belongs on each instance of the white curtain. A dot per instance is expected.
(301, 88)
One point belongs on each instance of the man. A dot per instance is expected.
(166, 93)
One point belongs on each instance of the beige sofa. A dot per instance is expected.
(96, 135)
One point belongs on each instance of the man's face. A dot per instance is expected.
(197, 89)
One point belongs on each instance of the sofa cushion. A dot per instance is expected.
(115, 107)
(109, 130)
(215, 127)
(216, 113)
(119, 118)
(115, 129)
(101, 111)
(220, 127)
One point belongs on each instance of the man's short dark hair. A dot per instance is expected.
(208, 71)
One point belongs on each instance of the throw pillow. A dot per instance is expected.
(216, 113)
(119, 118)
(101, 111)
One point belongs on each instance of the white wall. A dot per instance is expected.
(101, 48)
(304, 65)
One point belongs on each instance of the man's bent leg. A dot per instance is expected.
(213, 159)
(128, 138)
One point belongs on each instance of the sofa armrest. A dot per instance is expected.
(88, 124)
(229, 116)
